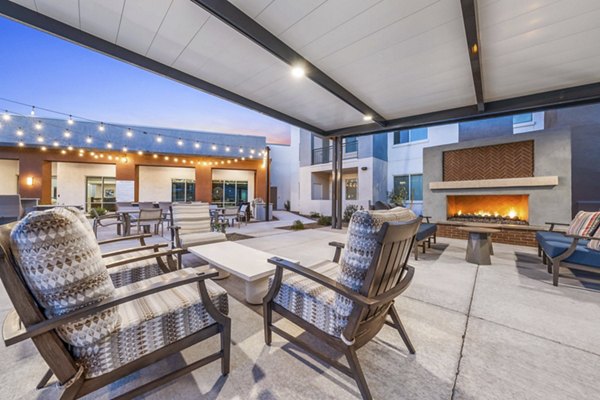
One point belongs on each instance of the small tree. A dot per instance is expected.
(399, 195)
(350, 209)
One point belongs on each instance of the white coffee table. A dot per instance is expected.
(249, 264)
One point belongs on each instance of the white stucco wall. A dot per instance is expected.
(294, 177)
(71, 180)
(9, 172)
(156, 182)
(407, 158)
(284, 165)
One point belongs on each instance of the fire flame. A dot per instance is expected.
(512, 214)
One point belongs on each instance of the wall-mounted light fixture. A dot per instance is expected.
(363, 168)
(29, 181)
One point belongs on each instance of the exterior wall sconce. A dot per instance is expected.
(363, 168)
(29, 181)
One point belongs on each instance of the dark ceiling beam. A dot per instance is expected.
(469, 13)
(238, 20)
(568, 97)
(47, 24)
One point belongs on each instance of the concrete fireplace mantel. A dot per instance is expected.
(496, 183)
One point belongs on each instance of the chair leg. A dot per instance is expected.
(416, 248)
(555, 272)
(226, 346)
(539, 250)
(268, 320)
(398, 324)
(44, 379)
(435, 238)
(359, 377)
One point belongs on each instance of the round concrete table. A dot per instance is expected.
(479, 245)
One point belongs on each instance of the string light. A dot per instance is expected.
(70, 120)
(140, 153)
(101, 127)
(243, 158)
(20, 132)
(32, 112)
(251, 151)
(155, 156)
(21, 144)
(44, 148)
(70, 148)
(197, 145)
(214, 147)
(167, 158)
(40, 139)
(109, 145)
(241, 150)
(55, 143)
(88, 140)
(179, 142)
(227, 149)
(124, 149)
(63, 152)
(38, 125)
(129, 132)
(67, 133)
(6, 116)
(159, 139)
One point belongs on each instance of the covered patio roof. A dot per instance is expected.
(370, 66)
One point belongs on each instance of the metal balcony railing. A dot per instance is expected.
(324, 155)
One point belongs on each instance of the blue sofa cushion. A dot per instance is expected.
(582, 254)
(545, 236)
(426, 230)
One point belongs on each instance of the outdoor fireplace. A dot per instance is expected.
(496, 209)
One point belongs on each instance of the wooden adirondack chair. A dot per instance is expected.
(387, 276)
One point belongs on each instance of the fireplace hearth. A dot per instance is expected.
(489, 209)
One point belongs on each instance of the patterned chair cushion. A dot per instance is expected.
(191, 218)
(360, 247)
(61, 262)
(595, 244)
(133, 272)
(585, 223)
(200, 238)
(311, 301)
(151, 322)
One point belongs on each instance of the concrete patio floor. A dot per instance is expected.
(481, 332)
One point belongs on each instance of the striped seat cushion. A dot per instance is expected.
(360, 249)
(585, 223)
(200, 238)
(151, 322)
(191, 218)
(595, 244)
(133, 272)
(311, 301)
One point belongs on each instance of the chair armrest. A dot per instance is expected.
(398, 289)
(427, 218)
(579, 237)
(155, 246)
(174, 228)
(145, 257)
(323, 280)
(338, 250)
(53, 323)
(552, 224)
(120, 239)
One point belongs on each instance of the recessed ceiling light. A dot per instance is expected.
(368, 118)
(298, 72)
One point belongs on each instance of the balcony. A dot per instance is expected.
(324, 155)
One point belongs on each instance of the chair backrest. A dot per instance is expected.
(146, 205)
(191, 218)
(375, 258)
(149, 215)
(10, 207)
(165, 206)
(243, 208)
(123, 205)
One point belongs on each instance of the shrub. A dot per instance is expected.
(100, 211)
(297, 225)
(287, 205)
(350, 209)
(314, 214)
(324, 220)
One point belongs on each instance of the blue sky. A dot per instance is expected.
(40, 69)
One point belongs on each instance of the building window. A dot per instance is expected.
(229, 193)
(54, 190)
(100, 193)
(183, 190)
(409, 185)
(411, 135)
(351, 189)
(350, 145)
(523, 119)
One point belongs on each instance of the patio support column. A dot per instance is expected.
(338, 194)
(268, 167)
(336, 184)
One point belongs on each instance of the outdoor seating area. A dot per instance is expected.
(280, 199)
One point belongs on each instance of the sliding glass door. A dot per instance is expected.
(100, 193)
(229, 193)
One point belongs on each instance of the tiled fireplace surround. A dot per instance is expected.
(549, 187)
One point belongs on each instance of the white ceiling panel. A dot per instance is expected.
(66, 11)
(182, 22)
(281, 14)
(140, 22)
(101, 17)
(540, 46)
(26, 3)
(251, 8)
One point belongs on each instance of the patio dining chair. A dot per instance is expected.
(148, 218)
(10, 208)
(242, 215)
(89, 333)
(345, 305)
(110, 219)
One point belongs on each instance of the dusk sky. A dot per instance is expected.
(43, 70)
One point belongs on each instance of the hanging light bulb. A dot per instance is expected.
(44, 148)
(214, 147)
(21, 144)
(101, 127)
(179, 142)
(67, 133)
(140, 153)
(80, 154)
(55, 143)
(6, 116)
(129, 133)
(251, 156)
(63, 152)
(235, 160)
(243, 158)
(176, 159)
(40, 139)
(88, 140)
(124, 149)
(70, 120)
(228, 161)
(227, 149)
(109, 145)
(155, 156)
(38, 125)
(222, 162)
(32, 112)
(241, 150)
(184, 161)
(197, 145)
(20, 132)
(159, 139)
(70, 148)
(166, 158)
(251, 151)
(110, 157)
